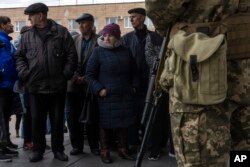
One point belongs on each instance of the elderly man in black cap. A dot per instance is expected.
(45, 59)
(136, 41)
(85, 42)
(137, 17)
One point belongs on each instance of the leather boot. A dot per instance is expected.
(105, 156)
(123, 153)
(36, 157)
(104, 138)
(11, 145)
(122, 144)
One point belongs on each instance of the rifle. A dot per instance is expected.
(152, 99)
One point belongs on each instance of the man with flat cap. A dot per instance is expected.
(85, 42)
(136, 41)
(45, 59)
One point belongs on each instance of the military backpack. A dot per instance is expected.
(196, 63)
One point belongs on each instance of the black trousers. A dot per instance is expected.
(18, 121)
(161, 129)
(93, 135)
(133, 130)
(27, 124)
(76, 129)
(6, 98)
(40, 105)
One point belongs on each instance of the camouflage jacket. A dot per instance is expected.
(163, 12)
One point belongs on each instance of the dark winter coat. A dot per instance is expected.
(136, 42)
(45, 66)
(113, 69)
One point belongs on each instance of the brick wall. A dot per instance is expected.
(64, 13)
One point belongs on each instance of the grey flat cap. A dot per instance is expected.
(36, 8)
(85, 16)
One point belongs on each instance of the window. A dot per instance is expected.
(127, 23)
(111, 20)
(19, 25)
(96, 23)
(149, 23)
(73, 25)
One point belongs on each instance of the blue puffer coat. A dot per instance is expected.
(8, 74)
(113, 69)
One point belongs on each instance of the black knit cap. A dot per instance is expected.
(138, 10)
(36, 8)
(85, 16)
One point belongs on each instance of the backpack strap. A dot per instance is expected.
(211, 29)
(238, 36)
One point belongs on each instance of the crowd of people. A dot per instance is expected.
(56, 72)
(98, 82)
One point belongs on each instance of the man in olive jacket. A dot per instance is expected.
(45, 60)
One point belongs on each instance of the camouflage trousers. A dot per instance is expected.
(239, 92)
(202, 134)
(240, 129)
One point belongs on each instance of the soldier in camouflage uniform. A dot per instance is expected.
(204, 135)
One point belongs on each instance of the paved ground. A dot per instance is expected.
(87, 160)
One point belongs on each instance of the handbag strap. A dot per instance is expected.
(88, 90)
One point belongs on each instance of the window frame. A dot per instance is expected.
(71, 24)
(127, 19)
(109, 18)
(18, 27)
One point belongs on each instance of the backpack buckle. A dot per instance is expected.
(194, 68)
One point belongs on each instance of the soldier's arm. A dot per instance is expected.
(164, 12)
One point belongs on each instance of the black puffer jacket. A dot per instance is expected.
(45, 66)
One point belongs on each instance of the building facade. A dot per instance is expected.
(66, 15)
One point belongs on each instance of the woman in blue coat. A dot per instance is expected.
(111, 76)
